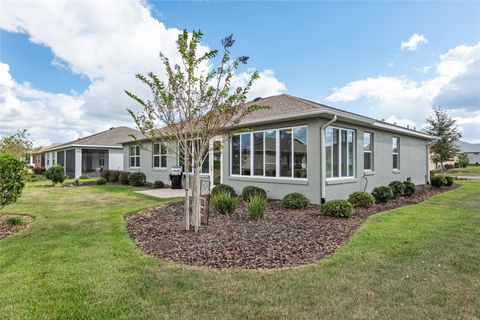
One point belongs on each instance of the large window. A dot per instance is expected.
(271, 153)
(396, 153)
(340, 152)
(159, 155)
(134, 156)
(368, 151)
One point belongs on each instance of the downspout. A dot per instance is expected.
(323, 158)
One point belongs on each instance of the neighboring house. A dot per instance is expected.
(299, 145)
(472, 150)
(88, 155)
(39, 155)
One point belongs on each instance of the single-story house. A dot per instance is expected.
(299, 145)
(88, 155)
(472, 150)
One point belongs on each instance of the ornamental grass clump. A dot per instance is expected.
(224, 203)
(295, 200)
(256, 207)
(337, 208)
(361, 199)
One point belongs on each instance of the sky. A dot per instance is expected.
(64, 66)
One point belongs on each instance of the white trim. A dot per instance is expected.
(339, 164)
(160, 155)
(371, 151)
(85, 146)
(211, 152)
(396, 153)
(130, 156)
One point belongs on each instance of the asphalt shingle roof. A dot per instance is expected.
(112, 137)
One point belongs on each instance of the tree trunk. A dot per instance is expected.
(196, 198)
(187, 195)
(441, 167)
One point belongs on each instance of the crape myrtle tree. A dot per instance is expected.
(195, 103)
(441, 125)
(17, 144)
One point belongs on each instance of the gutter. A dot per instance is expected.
(323, 158)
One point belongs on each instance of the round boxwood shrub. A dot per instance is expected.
(250, 191)
(224, 203)
(398, 188)
(410, 188)
(361, 199)
(438, 181)
(158, 184)
(101, 181)
(222, 188)
(123, 177)
(449, 181)
(295, 200)
(137, 179)
(114, 176)
(15, 221)
(382, 194)
(337, 208)
(55, 174)
(105, 174)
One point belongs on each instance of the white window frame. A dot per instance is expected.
(372, 155)
(277, 154)
(161, 146)
(134, 156)
(339, 164)
(396, 153)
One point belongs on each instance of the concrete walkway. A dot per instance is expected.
(468, 177)
(164, 192)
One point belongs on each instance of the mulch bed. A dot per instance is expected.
(282, 238)
(7, 230)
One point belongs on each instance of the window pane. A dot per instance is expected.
(270, 153)
(137, 161)
(245, 154)
(350, 141)
(395, 161)
(132, 162)
(335, 153)
(156, 148)
(286, 153)
(300, 152)
(137, 150)
(163, 161)
(206, 165)
(163, 149)
(367, 141)
(156, 161)
(328, 152)
(395, 144)
(343, 160)
(235, 154)
(367, 161)
(258, 153)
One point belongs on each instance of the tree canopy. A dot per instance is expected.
(17, 144)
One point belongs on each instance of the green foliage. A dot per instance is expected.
(15, 221)
(84, 177)
(105, 174)
(55, 174)
(410, 188)
(158, 184)
(38, 170)
(12, 176)
(222, 188)
(438, 181)
(295, 200)
(250, 191)
(463, 160)
(382, 194)
(137, 179)
(361, 199)
(449, 166)
(123, 177)
(449, 181)
(398, 188)
(76, 182)
(256, 207)
(101, 181)
(113, 176)
(337, 208)
(224, 203)
(17, 144)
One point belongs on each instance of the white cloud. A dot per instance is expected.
(266, 85)
(108, 42)
(414, 41)
(455, 86)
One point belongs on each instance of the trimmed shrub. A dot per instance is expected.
(337, 208)
(250, 191)
(449, 166)
(12, 179)
(137, 179)
(410, 188)
(101, 181)
(123, 177)
(222, 188)
(38, 170)
(105, 174)
(84, 177)
(55, 174)
(361, 199)
(438, 181)
(382, 194)
(113, 176)
(449, 181)
(158, 184)
(224, 203)
(256, 207)
(295, 200)
(15, 221)
(398, 188)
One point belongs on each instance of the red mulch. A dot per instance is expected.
(7, 230)
(282, 238)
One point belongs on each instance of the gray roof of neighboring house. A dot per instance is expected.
(112, 137)
(468, 147)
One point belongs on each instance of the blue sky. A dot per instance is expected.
(346, 54)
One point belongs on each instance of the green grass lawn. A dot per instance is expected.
(468, 171)
(77, 262)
